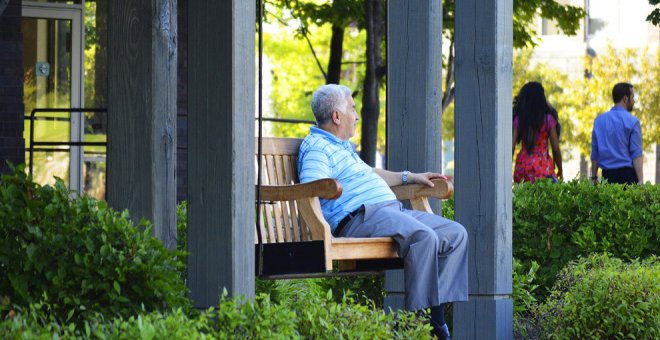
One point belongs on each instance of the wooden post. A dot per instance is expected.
(483, 164)
(142, 112)
(221, 111)
(414, 100)
(12, 109)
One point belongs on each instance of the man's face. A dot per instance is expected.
(630, 100)
(349, 119)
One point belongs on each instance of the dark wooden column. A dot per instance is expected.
(12, 145)
(483, 164)
(414, 96)
(142, 111)
(221, 102)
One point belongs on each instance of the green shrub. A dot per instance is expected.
(318, 317)
(554, 223)
(327, 319)
(523, 299)
(182, 226)
(260, 319)
(182, 236)
(604, 298)
(80, 257)
(448, 208)
(365, 290)
(156, 325)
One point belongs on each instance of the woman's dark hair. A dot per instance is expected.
(531, 107)
(555, 115)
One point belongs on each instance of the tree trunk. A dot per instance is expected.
(374, 25)
(101, 55)
(448, 94)
(584, 167)
(336, 51)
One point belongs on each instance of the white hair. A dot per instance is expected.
(327, 99)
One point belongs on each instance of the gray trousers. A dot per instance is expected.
(433, 248)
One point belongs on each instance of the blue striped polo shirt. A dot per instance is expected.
(323, 155)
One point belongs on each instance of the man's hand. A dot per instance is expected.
(426, 177)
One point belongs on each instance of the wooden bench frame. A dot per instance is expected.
(306, 196)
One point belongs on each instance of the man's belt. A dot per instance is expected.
(344, 222)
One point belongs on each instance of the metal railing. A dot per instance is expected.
(40, 146)
(286, 120)
(32, 118)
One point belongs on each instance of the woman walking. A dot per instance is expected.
(534, 123)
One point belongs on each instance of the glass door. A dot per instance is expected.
(52, 64)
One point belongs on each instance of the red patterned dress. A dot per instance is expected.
(538, 164)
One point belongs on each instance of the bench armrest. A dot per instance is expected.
(307, 197)
(418, 194)
(443, 189)
(327, 188)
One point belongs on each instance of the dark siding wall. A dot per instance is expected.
(182, 103)
(12, 145)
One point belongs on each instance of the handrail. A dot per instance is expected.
(286, 120)
(32, 117)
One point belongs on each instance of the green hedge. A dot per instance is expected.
(603, 298)
(317, 317)
(554, 223)
(80, 257)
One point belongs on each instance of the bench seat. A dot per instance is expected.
(291, 212)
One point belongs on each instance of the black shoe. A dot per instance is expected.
(440, 332)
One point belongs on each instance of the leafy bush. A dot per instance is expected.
(31, 324)
(182, 226)
(318, 317)
(365, 289)
(554, 223)
(290, 292)
(78, 256)
(604, 298)
(182, 235)
(523, 299)
(261, 319)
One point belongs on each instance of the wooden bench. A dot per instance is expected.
(296, 238)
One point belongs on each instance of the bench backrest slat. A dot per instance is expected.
(280, 221)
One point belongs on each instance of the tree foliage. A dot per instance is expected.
(525, 13)
(589, 97)
(294, 74)
(312, 22)
(654, 16)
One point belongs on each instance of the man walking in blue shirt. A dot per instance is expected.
(433, 248)
(616, 140)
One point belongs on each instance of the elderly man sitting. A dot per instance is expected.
(433, 248)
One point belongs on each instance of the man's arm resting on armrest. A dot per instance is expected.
(396, 178)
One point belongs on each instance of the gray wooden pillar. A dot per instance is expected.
(12, 109)
(483, 164)
(221, 111)
(414, 97)
(142, 111)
